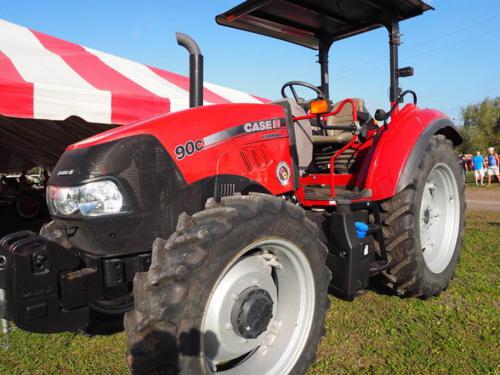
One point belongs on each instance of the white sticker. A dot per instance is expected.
(365, 251)
(283, 173)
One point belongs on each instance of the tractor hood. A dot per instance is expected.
(193, 136)
(194, 123)
(163, 167)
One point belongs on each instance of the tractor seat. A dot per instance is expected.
(344, 117)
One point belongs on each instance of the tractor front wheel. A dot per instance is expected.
(424, 224)
(239, 288)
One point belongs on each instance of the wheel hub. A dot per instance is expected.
(252, 312)
(258, 318)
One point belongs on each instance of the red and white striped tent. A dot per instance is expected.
(54, 92)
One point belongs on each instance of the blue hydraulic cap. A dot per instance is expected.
(361, 229)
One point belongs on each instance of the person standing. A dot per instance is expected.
(493, 162)
(24, 181)
(3, 184)
(478, 166)
(46, 177)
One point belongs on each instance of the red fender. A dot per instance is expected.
(401, 147)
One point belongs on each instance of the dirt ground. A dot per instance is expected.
(483, 199)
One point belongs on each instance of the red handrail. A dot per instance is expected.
(332, 163)
(333, 113)
(345, 147)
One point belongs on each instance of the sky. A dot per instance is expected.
(455, 50)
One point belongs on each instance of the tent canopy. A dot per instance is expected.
(54, 92)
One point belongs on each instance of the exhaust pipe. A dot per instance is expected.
(195, 69)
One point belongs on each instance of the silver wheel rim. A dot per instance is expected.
(282, 270)
(439, 218)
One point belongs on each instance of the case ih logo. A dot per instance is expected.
(249, 127)
(257, 126)
(67, 172)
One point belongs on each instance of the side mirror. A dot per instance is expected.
(380, 115)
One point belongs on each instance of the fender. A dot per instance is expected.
(401, 147)
(440, 126)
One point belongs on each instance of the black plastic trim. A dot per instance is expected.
(293, 143)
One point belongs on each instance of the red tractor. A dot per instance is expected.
(219, 230)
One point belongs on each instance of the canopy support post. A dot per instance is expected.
(394, 42)
(324, 49)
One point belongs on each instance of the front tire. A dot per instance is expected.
(241, 287)
(424, 224)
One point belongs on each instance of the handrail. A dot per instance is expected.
(347, 146)
(333, 113)
(397, 102)
(332, 163)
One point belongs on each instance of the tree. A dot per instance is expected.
(481, 127)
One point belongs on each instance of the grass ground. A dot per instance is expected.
(376, 334)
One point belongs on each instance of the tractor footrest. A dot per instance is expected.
(377, 267)
(322, 192)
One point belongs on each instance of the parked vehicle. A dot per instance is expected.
(228, 224)
(27, 203)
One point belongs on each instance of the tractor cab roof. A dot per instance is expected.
(311, 22)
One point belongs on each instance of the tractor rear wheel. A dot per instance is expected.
(239, 288)
(424, 224)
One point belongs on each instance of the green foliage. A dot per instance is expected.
(455, 333)
(481, 125)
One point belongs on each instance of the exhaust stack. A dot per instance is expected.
(195, 69)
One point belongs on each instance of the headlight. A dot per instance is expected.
(93, 199)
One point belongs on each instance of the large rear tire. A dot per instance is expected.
(424, 224)
(240, 287)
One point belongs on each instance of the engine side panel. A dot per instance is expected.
(247, 140)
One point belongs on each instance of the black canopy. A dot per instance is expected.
(307, 22)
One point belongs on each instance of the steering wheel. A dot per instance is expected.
(291, 84)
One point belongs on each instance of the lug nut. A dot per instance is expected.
(39, 259)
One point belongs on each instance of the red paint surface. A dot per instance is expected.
(395, 147)
(383, 161)
(225, 157)
(16, 99)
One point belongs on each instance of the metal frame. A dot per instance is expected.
(324, 49)
(394, 42)
(318, 25)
